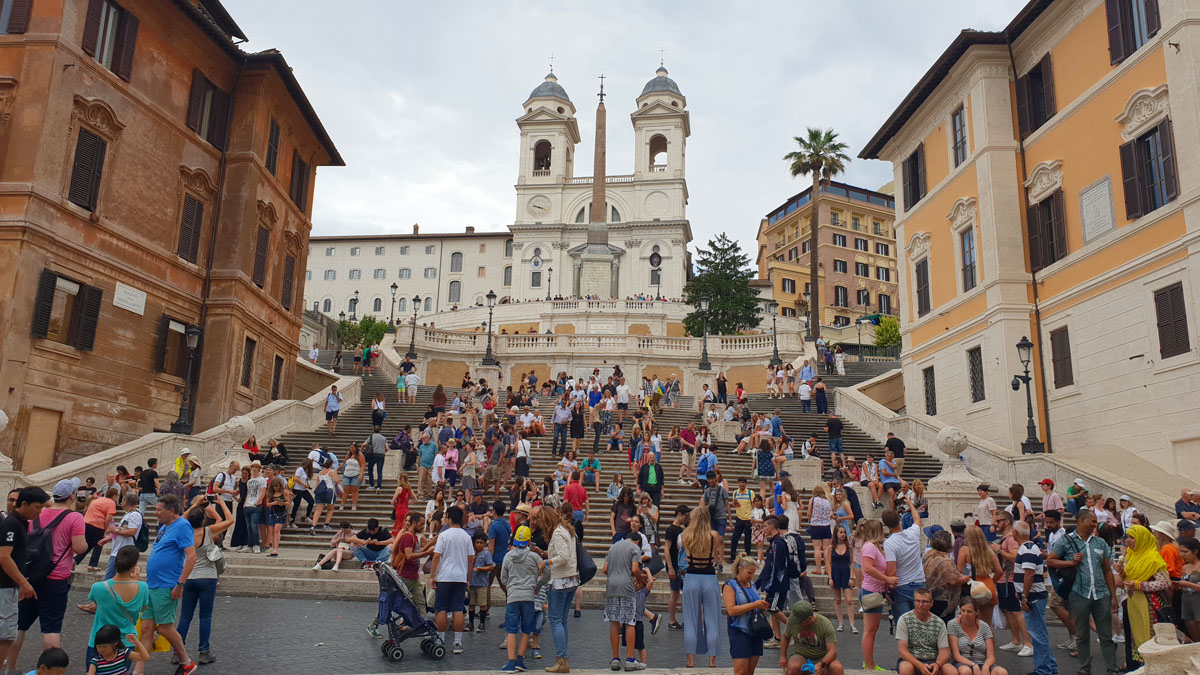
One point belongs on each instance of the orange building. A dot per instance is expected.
(856, 253)
(154, 177)
(1049, 183)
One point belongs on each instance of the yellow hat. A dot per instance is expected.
(521, 538)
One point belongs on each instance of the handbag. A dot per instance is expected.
(215, 555)
(760, 625)
(160, 643)
(656, 563)
(584, 563)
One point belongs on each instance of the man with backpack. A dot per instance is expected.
(375, 452)
(58, 534)
(14, 533)
(774, 579)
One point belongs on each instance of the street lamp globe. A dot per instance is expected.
(416, 303)
(704, 303)
(341, 316)
(1025, 351)
(491, 298)
(772, 307)
(193, 336)
(394, 287)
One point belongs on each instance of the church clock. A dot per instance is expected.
(539, 206)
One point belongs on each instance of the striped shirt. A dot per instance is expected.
(119, 665)
(1031, 561)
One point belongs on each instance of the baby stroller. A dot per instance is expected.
(403, 621)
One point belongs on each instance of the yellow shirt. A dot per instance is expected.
(745, 503)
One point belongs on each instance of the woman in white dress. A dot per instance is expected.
(839, 360)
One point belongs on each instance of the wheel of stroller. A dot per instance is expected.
(426, 644)
(386, 646)
(395, 653)
(438, 652)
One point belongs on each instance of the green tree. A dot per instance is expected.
(372, 329)
(349, 334)
(367, 331)
(723, 276)
(887, 333)
(822, 156)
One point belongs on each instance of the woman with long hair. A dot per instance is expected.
(400, 499)
(1144, 574)
(378, 410)
(985, 566)
(276, 510)
(468, 466)
(326, 490)
(1189, 583)
(438, 503)
(352, 469)
(564, 581)
(972, 643)
(875, 580)
(701, 592)
(819, 395)
(623, 510)
(578, 424)
(439, 399)
(740, 599)
(238, 540)
(819, 529)
(839, 577)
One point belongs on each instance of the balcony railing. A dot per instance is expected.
(658, 168)
(541, 172)
(584, 180)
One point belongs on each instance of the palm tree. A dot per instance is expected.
(823, 156)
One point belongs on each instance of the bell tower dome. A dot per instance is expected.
(549, 134)
(661, 125)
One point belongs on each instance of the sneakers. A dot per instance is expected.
(1119, 639)
(186, 670)
(510, 667)
(1069, 643)
(1026, 651)
(470, 626)
(675, 625)
(615, 664)
(373, 631)
(242, 549)
(634, 664)
(655, 624)
(458, 649)
(1011, 647)
(206, 658)
(841, 628)
(520, 662)
(257, 549)
(537, 653)
(480, 627)
(578, 614)
(853, 629)
(317, 567)
(771, 644)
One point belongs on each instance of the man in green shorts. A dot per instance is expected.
(167, 569)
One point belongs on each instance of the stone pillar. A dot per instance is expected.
(805, 474)
(489, 373)
(952, 492)
(393, 464)
(1165, 656)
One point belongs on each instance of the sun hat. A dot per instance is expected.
(932, 530)
(184, 452)
(65, 489)
(255, 463)
(1166, 527)
(522, 508)
(522, 536)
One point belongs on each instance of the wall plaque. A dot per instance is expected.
(1096, 210)
(129, 298)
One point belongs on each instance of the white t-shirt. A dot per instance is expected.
(527, 418)
(313, 353)
(411, 380)
(623, 393)
(455, 547)
(805, 392)
(439, 468)
(226, 481)
(132, 519)
(301, 480)
(523, 448)
(904, 549)
(315, 456)
(255, 487)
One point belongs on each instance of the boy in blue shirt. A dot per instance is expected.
(481, 584)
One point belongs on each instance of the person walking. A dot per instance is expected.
(743, 525)
(564, 583)
(201, 586)
(622, 563)
(302, 490)
(741, 599)
(333, 405)
(1093, 593)
(148, 484)
(324, 495)
(400, 501)
(561, 422)
(374, 451)
(14, 532)
(821, 399)
(650, 478)
(96, 518)
(378, 410)
(352, 470)
(519, 575)
(168, 569)
(774, 581)
(701, 592)
(1006, 549)
(453, 557)
(1032, 582)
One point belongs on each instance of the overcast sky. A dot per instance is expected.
(421, 97)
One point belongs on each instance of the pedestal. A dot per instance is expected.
(952, 492)
(393, 464)
(1165, 656)
(805, 474)
(595, 275)
(725, 432)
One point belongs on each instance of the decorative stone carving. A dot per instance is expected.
(632, 243)
(952, 492)
(1045, 178)
(198, 181)
(8, 92)
(677, 242)
(657, 204)
(951, 441)
(962, 213)
(98, 115)
(1144, 109)
(267, 217)
(918, 246)
(1165, 656)
(291, 242)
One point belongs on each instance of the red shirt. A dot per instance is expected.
(575, 495)
(411, 568)
(688, 435)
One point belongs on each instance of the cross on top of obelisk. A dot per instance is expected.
(602, 87)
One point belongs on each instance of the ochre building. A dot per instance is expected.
(154, 177)
(1047, 178)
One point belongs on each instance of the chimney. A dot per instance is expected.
(470, 229)
(416, 229)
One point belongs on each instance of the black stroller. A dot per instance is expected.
(403, 621)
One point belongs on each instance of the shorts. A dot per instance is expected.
(160, 607)
(276, 518)
(323, 498)
(477, 596)
(49, 606)
(685, 458)
(450, 597)
(777, 601)
(819, 532)
(8, 614)
(1056, 601)
(622, 406)
(366, 361)
(864, 592)
(743, 645)
(1008, 600)
(889, 485)
(331, 415)
(519, 617)
(677, 582)
(639, 635)
(352, 481)
(620, 609)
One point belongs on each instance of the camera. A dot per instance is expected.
(212, 499)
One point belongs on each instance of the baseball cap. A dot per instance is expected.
(802, 610)
(1046, 481)
(932, 530)
(1186, 525)
(1079, 482)
(65, 489)
(1124, 498)
(521, 538)
(957, 523)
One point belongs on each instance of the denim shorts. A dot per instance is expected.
(519, 617)
(352, 481)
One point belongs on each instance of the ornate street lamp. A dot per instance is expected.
(549, 278)
(858, 324)
(412, 344)
(341, 316)
(807, 317)
(704, 364)
(1031, 445)
(183, 425)
(354, 307)
(488, 359)
(773, 308)
(392, 320)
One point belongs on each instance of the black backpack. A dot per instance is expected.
(39, 552)
(796, 552)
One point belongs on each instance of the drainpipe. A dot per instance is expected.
(1037, 311)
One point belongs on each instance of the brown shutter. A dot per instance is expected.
(160, 350)
(907, 169)
(91, 26)
(1130, 181)
(273, 147)
(295, 181)
(921, 171)
(1166, 140)
(1048, 86)
(1033, 222)
(1179, 314)
(289, 276)
(126, 41)
(1171, 315)
(18, 18)
(1153, 23)
(85, 174)
(88, 310)
(1056, 229)
(190, 225)
(260, 256)
(196, 100)
(44, 304)
(1022, 86)
(218, 121)
(1116, 30)
(1060, 350)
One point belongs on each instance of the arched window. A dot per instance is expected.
(658, 153)
(455, 291)
(508, 248)
(581, 217)
(377, 306)
(541, 158)
(316, 305)
(585, 214)
(402, 305)
(352, 306)
(616, 215)
(328, 306)
(456, 260)
(428, 304)
(508, 275)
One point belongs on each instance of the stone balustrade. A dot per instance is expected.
(755, 346)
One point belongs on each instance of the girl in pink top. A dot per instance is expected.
(100, 512)
(875, 580)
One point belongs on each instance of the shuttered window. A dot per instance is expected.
(864, 297)
(171, 355)
(885, 303)
(1171, 316)
(958, 124)
(190, 224)
(289, 280)
(1131, 24)
(273, 147)
(923, 304)
(1060, 356)
(1035, 97)
(14, 16)
(208, 110)
(299, 185)
(913, 173)
(276, 377)
(841, 296)
(1047, 232)
(67, 311)
(1148, 172)
(248, 361)
(975, 374)
(261, 249)
(87, 170)
(930, 383)
(109, 36)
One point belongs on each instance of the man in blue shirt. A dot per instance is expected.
(890, 477)
(776, 427)
(499, 537)
(426, 451)
(167, 569)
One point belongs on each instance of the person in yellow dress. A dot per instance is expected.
(1145, 577)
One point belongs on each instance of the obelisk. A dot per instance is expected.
(596, 273)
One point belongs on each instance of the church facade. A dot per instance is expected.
(637, 246)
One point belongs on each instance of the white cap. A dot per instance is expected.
(1079, 482)
(1124, 498)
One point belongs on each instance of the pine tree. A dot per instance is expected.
(723, 276)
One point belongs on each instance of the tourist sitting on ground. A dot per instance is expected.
(372, 545)
(341, 548)
(922, 639)
(972, 642)
(809, 643)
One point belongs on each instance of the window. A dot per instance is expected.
(805, 246)
(841, 296)
(377, 305)
(404, 250)
(839, 266)
(405, 273)
(481, 272)
(190, 224)
(841, 321)
(508, 275)
(380, 273)
(208, 110)
(299, 186)
(327, 306)
(856, 222)
(930, 391)
(835, 219)
(877, 228)
(355, 275)
(330, 275)
(429, 250)
(14, 16)
(66, 311)
(958, 125)
(864, 297)
(455, 291)
(1131, 24)
(508, 248)
(352, 306)
(1035, 97)
(428, 304)
(793, 253)
(883, 274)
(885, 303)
(535, 279)
(789, 285)
(1148, 171)
(483, 248)
(789, 311)
(402, 304)
(975, 374)
(923, 288)
(89, 166)
(861, 244)
(967, 240)
(839, 240)
(261, 250)
(862, 269)
(430, 272)
(109, 33)
(456, 262)
(273, 147)
(248, 361)
(882, 249)
(912, 171)
(172, 353)
(289, 277)
(1047, 232)
(308, 275)
(1060, 356)
(379, 250)
(354, 251)
(276, 377)
(1171, 315)
(808, 287)
(329, 251)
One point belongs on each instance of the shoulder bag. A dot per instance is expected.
(584, 563)
(760, 625)
(215, 555)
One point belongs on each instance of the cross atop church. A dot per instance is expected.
(662, 57)
(552, 63)
(602, 88)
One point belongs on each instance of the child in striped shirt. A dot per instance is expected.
(113, 656)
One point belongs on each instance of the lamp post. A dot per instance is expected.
(183, 425)
(773, 308)
(488, 359)
(392, 319)
(412, 343)
(807, 317)
(704, 364)
(549, 278)
(354, 307)
(1031, 445)
(858, 324)
(658, 286)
